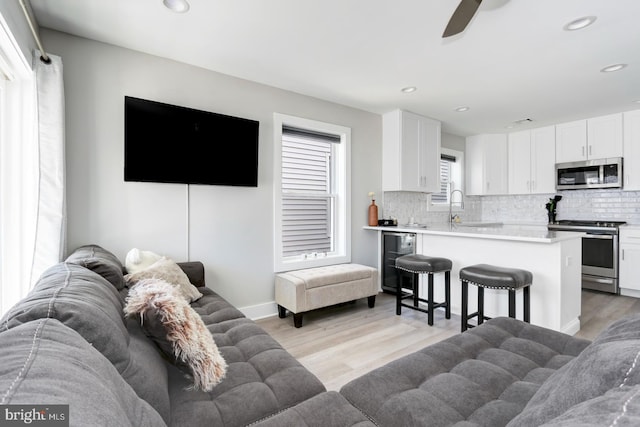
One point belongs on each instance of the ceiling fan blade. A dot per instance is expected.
(461, 17)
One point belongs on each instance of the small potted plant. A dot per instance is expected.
(551, 208)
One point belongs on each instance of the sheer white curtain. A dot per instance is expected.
(32, 192)
(18, 169)
(50, 225)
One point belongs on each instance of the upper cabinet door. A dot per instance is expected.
(519, 149)
(410, 167)
(486, 164)
(532, 158)
(474, 165)
(571, 141)
(596, 138)
(543, 160)
(631, 166)
(604, 137)
(411, 152)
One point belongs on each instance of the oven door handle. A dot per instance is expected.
(598, 236)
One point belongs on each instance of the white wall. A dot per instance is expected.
(229, 229)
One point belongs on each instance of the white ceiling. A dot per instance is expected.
(513, 61)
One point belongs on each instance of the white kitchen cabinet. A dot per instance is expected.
(410, 153)
(571, 141)
(631, 144)
(629, 273)
(604, 136)
(531, 165)
(486, 164)
(595, 138)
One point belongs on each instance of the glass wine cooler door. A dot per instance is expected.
(395, 245)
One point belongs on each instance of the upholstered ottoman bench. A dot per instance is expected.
(300, 291)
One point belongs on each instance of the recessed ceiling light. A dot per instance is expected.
(612, 68)
(409, 89)
(637, 101)
(179, 6)
(462, 109)
(580, 23)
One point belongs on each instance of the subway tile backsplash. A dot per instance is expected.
(575, 204)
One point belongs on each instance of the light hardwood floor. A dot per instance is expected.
(342, 342)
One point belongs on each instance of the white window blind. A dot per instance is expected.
(445, 179)
(308, 193)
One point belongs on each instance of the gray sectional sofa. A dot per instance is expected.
(68, 342)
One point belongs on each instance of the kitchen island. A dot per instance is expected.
(553, 257)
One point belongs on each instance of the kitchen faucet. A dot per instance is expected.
(451, 217)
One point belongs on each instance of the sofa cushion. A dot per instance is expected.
(329, 409)
(618, 407)
(45, 362)
(610, 363)
(177, 329)
(89, 304)
(101, 261)
(484, 376)
(262, 378)
(169, 271)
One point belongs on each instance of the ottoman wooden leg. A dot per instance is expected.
(282, 312)
(297, 320)
(371, 301)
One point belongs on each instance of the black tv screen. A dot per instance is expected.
(173, 144)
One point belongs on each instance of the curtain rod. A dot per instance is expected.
(26, 9)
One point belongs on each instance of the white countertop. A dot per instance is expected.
(513, 232)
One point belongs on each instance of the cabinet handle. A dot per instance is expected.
(623, 255)
(533, 186)
(590, 150)
(582, 151)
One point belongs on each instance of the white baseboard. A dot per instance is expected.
(630, 292)
(260, 311)
(572, 327)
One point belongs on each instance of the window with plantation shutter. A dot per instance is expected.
(445, 179)
(311, 201)
(307, 194)
(451, 178)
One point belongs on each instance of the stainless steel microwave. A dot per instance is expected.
(599, 173)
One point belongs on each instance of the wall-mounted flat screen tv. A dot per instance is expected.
(173, 144)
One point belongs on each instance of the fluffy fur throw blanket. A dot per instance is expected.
(178, 330)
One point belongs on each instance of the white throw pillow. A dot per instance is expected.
(138, 260)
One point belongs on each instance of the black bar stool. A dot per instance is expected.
(493, 277)
(421, 264)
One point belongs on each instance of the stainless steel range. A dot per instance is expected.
(599, 252)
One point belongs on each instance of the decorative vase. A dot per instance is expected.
(373, 214)
(552, 217)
